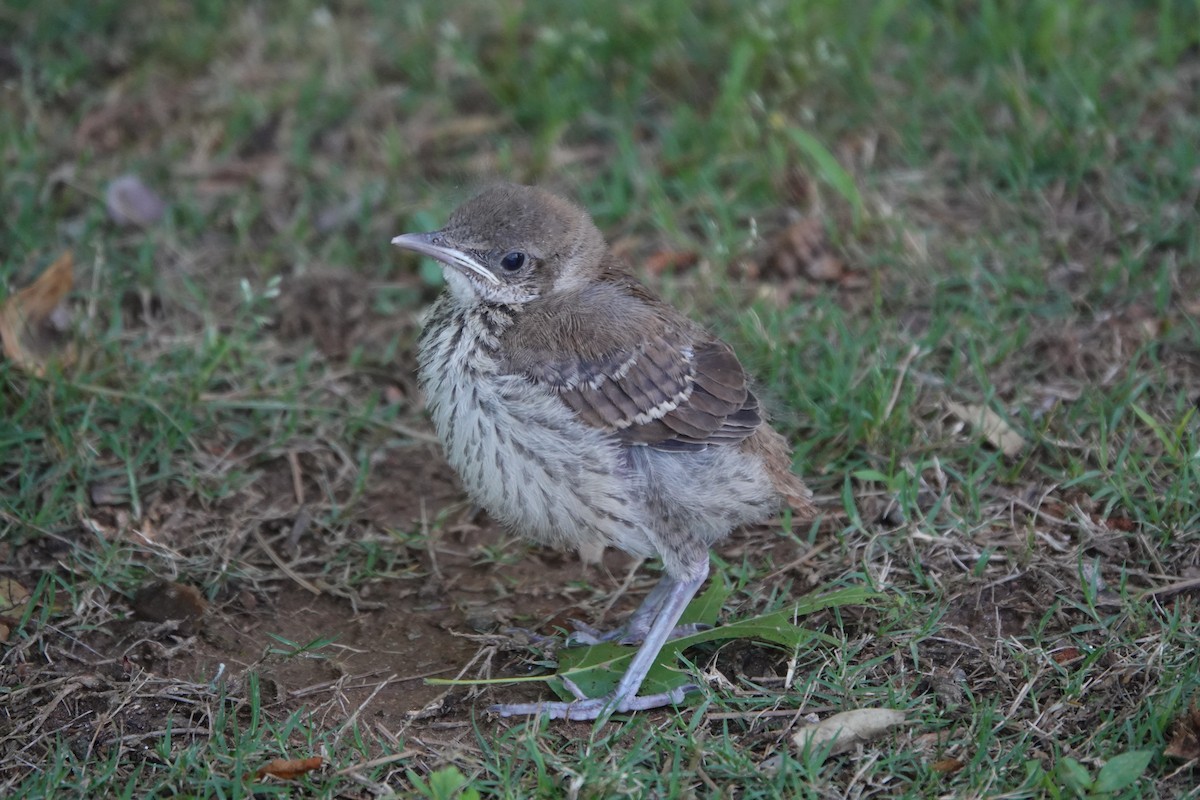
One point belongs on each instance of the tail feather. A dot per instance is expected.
(777, 458)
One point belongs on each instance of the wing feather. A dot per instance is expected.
(657, 379)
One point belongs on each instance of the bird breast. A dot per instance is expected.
(521, 453)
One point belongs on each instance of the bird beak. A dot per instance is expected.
(434, 245)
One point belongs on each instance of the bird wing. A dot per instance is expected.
(627, 363)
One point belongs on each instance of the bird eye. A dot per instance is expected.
(513, 261)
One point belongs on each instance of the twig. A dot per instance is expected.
(297, 476)
(353, 717)
(808, 556)
(283, 566)
(1170, 588)
(134, 737)
(909, 357)
(772, 712)
(379, 762)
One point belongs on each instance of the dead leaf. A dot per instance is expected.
(947, 766)
(1185, 741)
(994, 428)
(802, 250)
(1067, 654)
(14, 601)
(1120, 523)
(847, 729)
(130, 202)
(29, 330)
(289, 769)
(948, 685)
(13, 597)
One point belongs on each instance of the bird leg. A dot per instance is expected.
(632, 631)
(635, 628)
(675, 597)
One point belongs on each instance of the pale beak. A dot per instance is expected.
(434, 246)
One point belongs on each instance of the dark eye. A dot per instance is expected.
(513, 261)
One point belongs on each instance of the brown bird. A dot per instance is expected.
(584, 412)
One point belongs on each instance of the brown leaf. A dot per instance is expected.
(848, 728)
(802, 250)
(13, 597)
(1185, 741)
(798, 187)
(994, 427)
(28, 328)
(1065, 655)
(1123, 524)
(947, 766)
(289, 769)
(948, 685)
(14, 601)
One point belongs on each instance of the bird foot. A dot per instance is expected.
(527, 636)
(585, 634)
(590, 708)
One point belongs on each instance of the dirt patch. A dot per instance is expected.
(316, 635)
(1001, 608)
(322, 630)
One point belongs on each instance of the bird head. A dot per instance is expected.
(513, 244)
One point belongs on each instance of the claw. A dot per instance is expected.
(584, 634)
(573, 688)
(593, 708)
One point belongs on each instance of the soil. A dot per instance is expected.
(457, 600)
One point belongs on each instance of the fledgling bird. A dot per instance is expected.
(582, 411)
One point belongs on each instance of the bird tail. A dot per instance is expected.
(777, 458)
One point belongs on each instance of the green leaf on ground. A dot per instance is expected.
(1123, 770)
(596, 669)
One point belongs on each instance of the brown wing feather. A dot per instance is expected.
(653, 379)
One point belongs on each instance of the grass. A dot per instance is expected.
(1010, 188)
